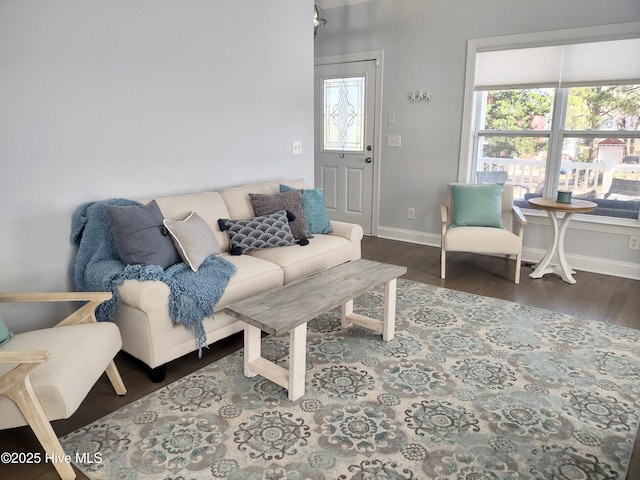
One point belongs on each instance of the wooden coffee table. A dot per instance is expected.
(288, 309)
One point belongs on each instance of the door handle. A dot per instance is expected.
(368, 160)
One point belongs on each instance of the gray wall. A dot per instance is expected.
(135, 99)
(425, 44)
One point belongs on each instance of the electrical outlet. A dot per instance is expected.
(296, 147)
(411, 214)
(634, 243)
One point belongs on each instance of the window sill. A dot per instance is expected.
(593, 223)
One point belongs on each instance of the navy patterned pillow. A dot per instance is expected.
(260, 232)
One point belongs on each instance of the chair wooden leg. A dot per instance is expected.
(27, 401)
(518, 265)
(443, 259)
(115, 378)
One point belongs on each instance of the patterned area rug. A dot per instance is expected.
(470, 388)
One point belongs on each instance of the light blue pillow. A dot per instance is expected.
(5, 333)
(477, 205)
(315, 209)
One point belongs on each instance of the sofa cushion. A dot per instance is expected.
(253, 276)
(140, 236)
(292, 201)
(315, 209)
(264, 231)
(491, 241)
(323, 252)
(193, 239)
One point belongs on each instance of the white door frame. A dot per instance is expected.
(377, 56)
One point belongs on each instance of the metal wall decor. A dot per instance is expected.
(317, 20)
(420, 96)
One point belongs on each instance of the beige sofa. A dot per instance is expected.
(143, 312)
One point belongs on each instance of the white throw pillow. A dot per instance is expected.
(193, 239)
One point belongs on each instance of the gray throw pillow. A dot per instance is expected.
(140, 236)
(315, 209)
(260, 232)
(292, 201)
(193, 239)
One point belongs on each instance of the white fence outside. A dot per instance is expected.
(578, 177)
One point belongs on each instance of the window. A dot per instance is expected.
(563, 117)
(343, 114)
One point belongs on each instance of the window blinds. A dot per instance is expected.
(594, 63)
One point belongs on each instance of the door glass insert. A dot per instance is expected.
(343, 114)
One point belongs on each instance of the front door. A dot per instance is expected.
(344, 139)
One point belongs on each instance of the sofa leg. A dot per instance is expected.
(158, 374)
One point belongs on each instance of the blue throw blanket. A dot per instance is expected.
(98, 267)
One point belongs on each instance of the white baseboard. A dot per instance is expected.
(410, 236)
(579, 262)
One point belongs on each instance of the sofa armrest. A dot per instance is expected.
(351, 231)
(145, 296)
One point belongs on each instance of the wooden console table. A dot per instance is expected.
(288, 309)
(552, 207)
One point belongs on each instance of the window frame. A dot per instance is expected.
(473, 106)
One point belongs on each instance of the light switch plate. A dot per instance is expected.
(394, 141)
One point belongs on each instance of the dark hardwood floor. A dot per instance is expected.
(595, 297)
